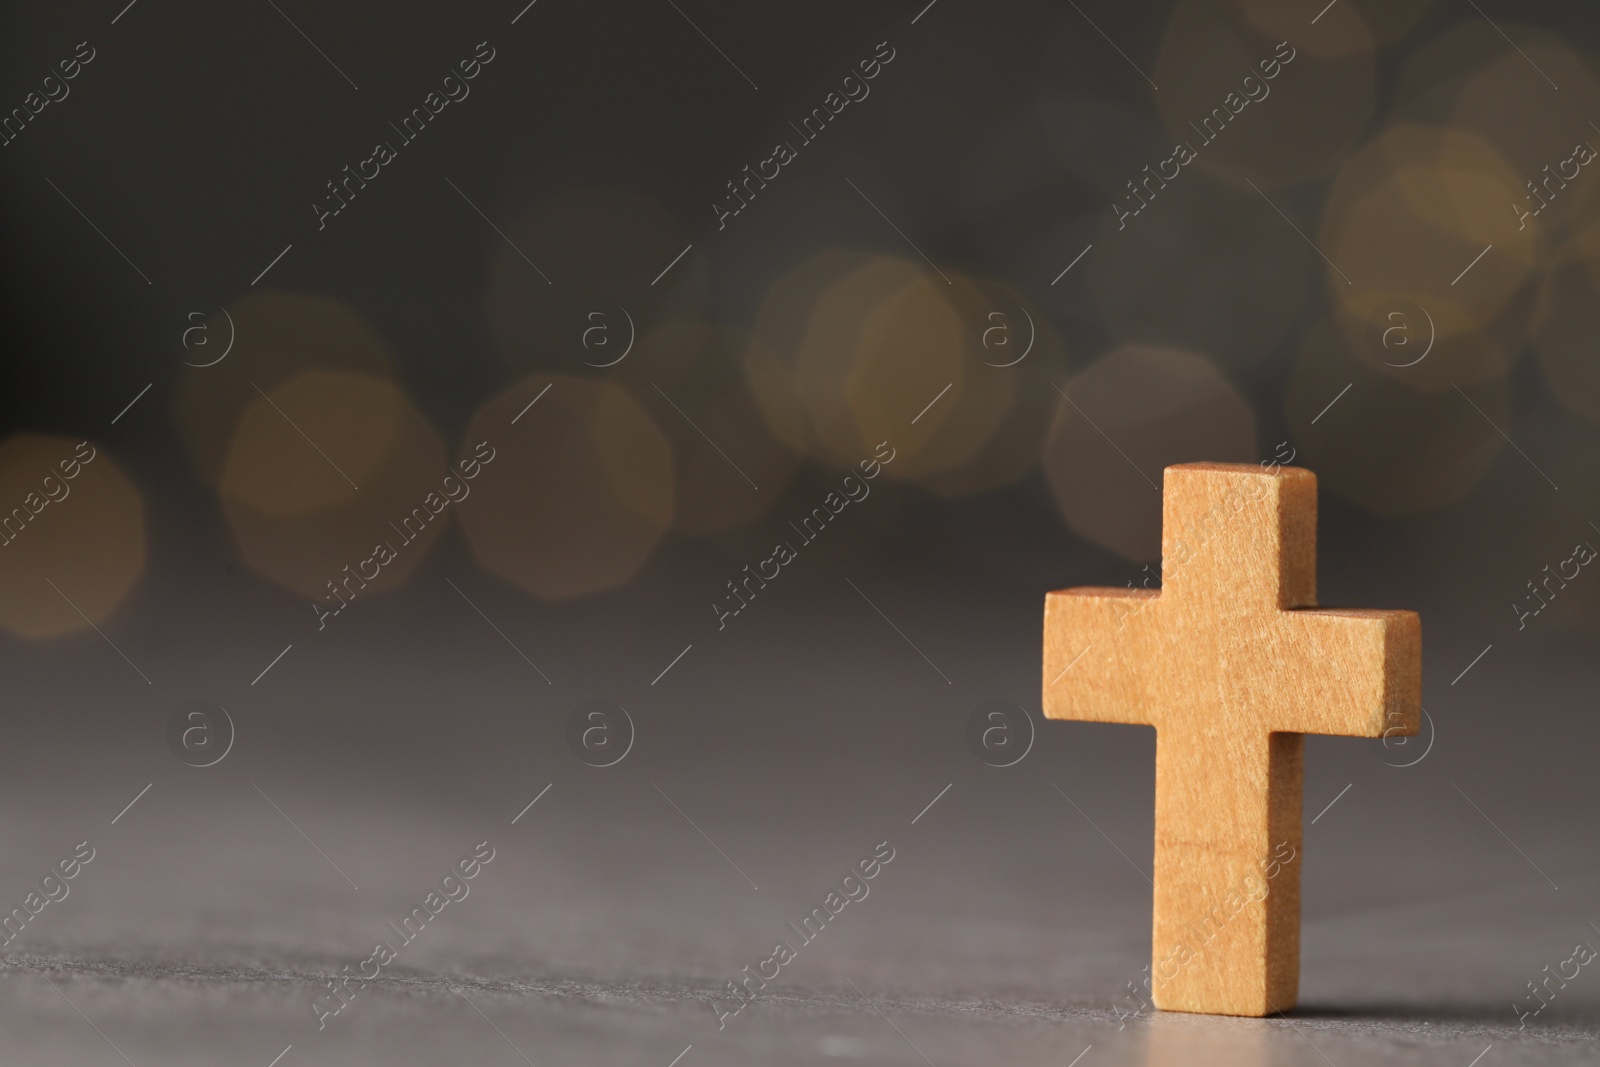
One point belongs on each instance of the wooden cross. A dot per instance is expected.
(1232, 663)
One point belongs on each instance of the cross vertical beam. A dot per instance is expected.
(1233, 664)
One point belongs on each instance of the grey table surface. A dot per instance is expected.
(1007, 928)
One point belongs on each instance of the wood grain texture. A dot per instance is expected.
(1232, 663)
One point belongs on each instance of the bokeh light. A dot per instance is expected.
(908, 347)
(324, 469)
(275, 336)
(68, 516)
(779, 331)
(1419, 220)
(1130, 414)
(1530, 96)
(850, 350)
(582, 489)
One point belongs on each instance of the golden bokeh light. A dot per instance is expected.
(911, 346)
(326, 471)
(582, 490)
(779, 331)
(1125, 418)
(1508, 103)
(850, 350)
(1385, 445)
(274, 336)
(71, 517)
(825, 359)
(1418, 221)
(1506, 91)
(597, 254)
(1257, 94)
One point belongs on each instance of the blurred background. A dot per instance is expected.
(530, 333)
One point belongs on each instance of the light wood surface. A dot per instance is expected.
(1232, 663)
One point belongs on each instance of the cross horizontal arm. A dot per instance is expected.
(1093, 655)
(1352, 672)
